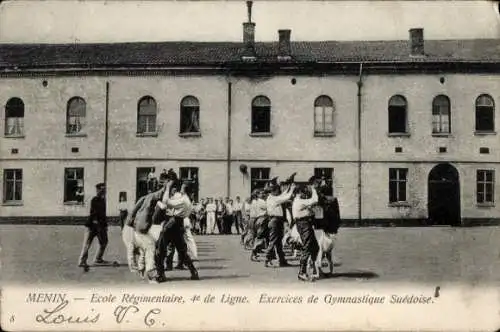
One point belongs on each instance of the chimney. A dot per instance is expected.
(284, 47)
(249, 34)
(417, 42)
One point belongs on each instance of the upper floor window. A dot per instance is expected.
(146, 115)
(190, 115)
(12, 185)
(14, 117)
(441, 117)
(75, 115)
(397, 115)
(261, 115)
(323, 115)
(485, 114)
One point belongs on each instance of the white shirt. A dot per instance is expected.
(211, 207)
(181, 204)
(274, 207)
(122, 206)
(237, 206)
(301, 208)
(229, 208)
(260, 207)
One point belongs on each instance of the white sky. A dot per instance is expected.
(157, 20)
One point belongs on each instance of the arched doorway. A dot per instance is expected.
(444, 195)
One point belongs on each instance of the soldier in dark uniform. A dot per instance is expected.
(96, 226)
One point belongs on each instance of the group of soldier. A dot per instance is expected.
(278, 214)
(287, 213)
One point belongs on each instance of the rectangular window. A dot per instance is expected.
(143, 179)
(12, 185)
(326, 174)
(485, 193)
(259, 177)
(73, 185)
(14, 126)
(190, 119)
(398, 178)
(147, 124)
(190, 175)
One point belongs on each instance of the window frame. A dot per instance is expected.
(193, 178)
(15, 179)
(392, 105)
(77, 170)
(397, 182)
(259, 182)
(193, 109)
(437, 110)
(147, 131)
(324, 109)
(11, 107)
(261, 109)
(483, 185)
(476, 111)
(80, 132)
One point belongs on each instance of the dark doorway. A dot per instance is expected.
(444, 196)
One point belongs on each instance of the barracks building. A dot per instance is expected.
(407, 129)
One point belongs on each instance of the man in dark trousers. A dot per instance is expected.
(173, 232)
(303, 217)
(96, 226)
(277, 197)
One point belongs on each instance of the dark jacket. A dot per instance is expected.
(331, 214)
(97, 212)
(141, 218)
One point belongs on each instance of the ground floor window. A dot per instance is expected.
(485, 186)
(12, 185)
(326, 176)
(398, 178)
(73, 185)
(259, 177)
(144, 181)
(189, 175)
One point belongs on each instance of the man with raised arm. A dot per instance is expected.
(274, 203)
(304, 218)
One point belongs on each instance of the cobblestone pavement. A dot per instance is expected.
(48, 254)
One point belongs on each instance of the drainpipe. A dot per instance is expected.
(228, 161)
(106, 134)
(360, 87)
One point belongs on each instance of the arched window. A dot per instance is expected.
(323, 115)
(75, 115)
(261, 115)
(441, 115)
(190, 115)
(146, 115)
(485, 114)
(397, 115)
(14, 117)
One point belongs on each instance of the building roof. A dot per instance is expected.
(165, 54)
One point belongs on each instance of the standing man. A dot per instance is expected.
(238, 214)
(96, 226)
(173, 232)
(277, 197)
(304, 218)
(211, 211)
(261, 224)
(228, 216)
(141, 219)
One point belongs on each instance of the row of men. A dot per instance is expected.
(302, 216)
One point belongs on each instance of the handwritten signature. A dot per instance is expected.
(56, 316)
(121, 312)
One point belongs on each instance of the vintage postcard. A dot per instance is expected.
(249, 165)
